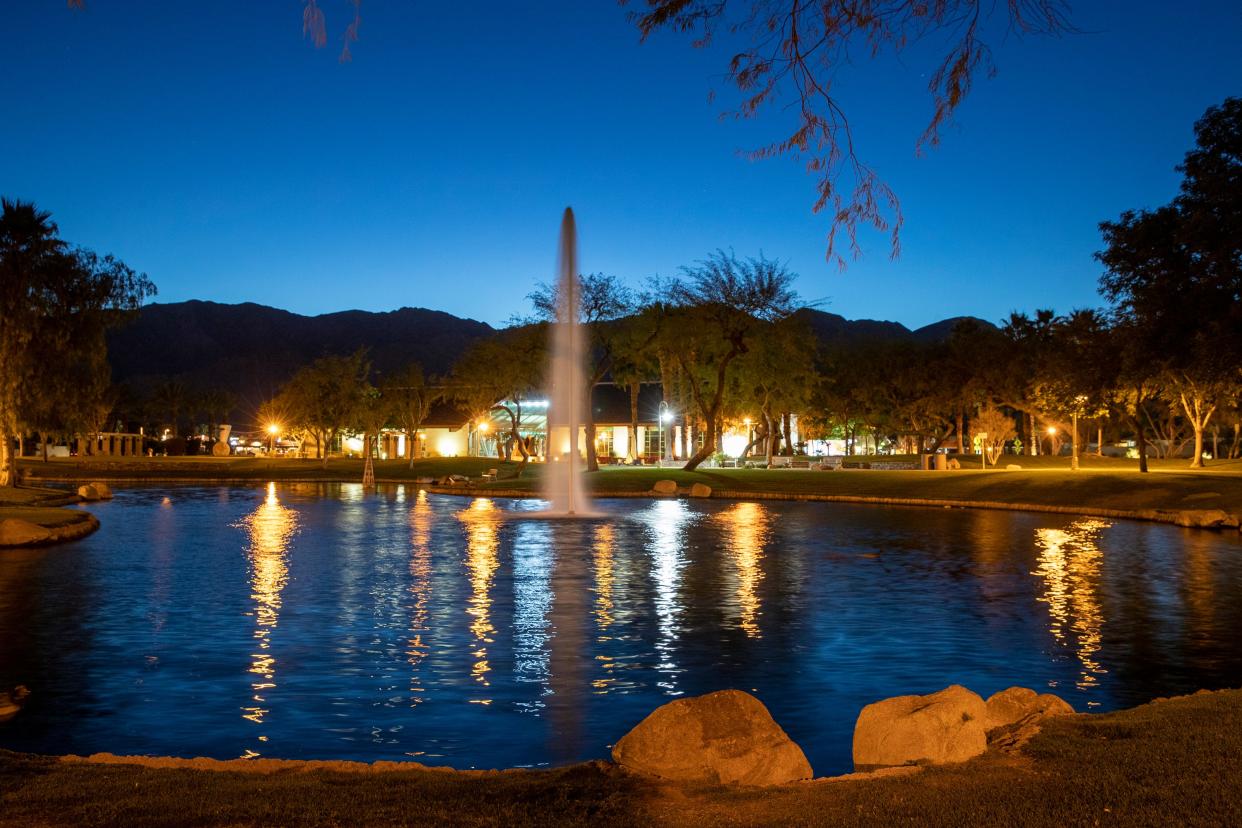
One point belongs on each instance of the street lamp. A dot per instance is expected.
(666, 418)
(273, 430)
(1078, 403)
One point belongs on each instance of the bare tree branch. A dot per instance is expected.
(794, 48)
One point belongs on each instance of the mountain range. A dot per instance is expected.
(251, 350)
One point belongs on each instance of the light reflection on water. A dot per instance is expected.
(269, 529)
(420, 591)
(400, 623)
(746, 531)
(1070, 560)
(482, 527)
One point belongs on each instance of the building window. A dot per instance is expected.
(653, 443)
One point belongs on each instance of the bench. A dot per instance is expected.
(490, 475)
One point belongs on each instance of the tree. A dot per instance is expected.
(168, 399)
(776, 377)
(56, 303)
(1174, 274)
(326, 397)
(791, 51)
(716, 310)
(992, 429)
(410, 396)
(497, 373)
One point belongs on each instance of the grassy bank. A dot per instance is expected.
(1177, 762)
(1109, 484)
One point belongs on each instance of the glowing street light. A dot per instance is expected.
(666, 420)
(273, 429)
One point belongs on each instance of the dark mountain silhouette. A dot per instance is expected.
(251, 350)
(834, 330)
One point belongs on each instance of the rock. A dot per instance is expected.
(88, 492)
(948, 726)
(1014, 716)
(1205, 519)
(1019, 703)
(18, 532)
(727, 737)
(11, 702)
(700, 490)
(1013, 467)
(102, 490)
(221, 449)
(954, 464)
(665, 487)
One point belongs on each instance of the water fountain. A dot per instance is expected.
(563, 484)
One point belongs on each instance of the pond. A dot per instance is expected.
(325, 621)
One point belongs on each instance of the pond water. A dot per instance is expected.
(313, 621)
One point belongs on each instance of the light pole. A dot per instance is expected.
(273, 430)
(666, 417)
(1078, 401)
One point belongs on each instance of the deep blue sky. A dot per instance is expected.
(213, 148)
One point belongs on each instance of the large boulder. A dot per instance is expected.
(948, 726)
(727, 737)
(700, 490)
(102, 490)
(1019, 704)
(18, 532)
(665, 487)
(1205, 519)
(88, 492)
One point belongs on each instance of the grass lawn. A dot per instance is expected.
(10, 496)
(1173, 763)
(44, 516)
(1108, 483)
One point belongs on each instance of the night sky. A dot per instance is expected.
(212, 147)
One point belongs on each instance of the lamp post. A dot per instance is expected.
(273, 430)
(1078, 401)
(666, 417)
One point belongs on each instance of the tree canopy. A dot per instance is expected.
(56, 302)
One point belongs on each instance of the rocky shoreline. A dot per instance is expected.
(1169, 762)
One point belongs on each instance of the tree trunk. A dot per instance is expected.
(961, 448)
(592, 457)
(43, 443)
(634, 389)
(1199, 414)
(8, 466)
(1141, 439)
(1099, 442)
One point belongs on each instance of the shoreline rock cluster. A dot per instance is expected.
(729, 737)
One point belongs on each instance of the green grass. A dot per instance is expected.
(10, 496)
(1108, 483)
(44, 516)
(1174, 763)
